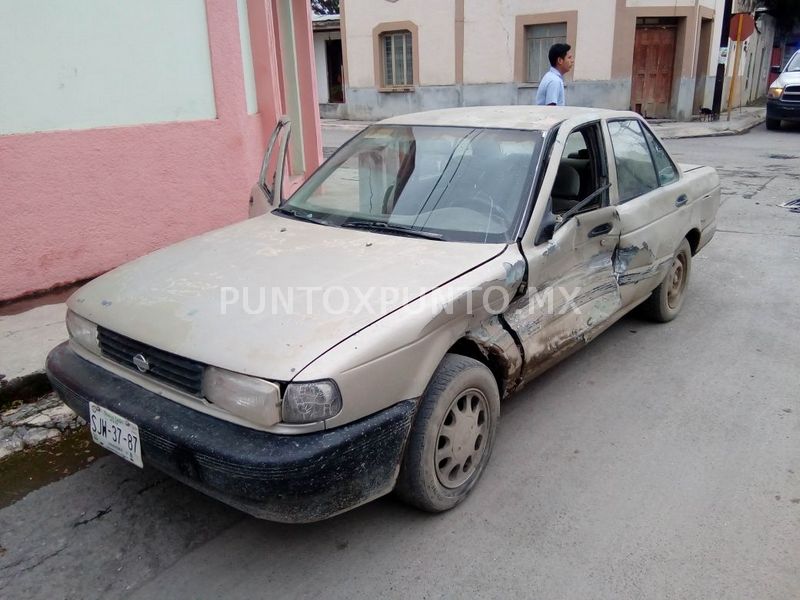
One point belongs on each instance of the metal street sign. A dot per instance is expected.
(742, 26)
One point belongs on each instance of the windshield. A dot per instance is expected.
(794, 64)
(448, 183)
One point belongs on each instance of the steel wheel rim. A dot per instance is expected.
(677, 279)
(462, 438)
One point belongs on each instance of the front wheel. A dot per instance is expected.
(666, 301)
(773, 124)
(452, 435)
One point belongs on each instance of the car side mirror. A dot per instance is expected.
(548, 228)
(775, 69)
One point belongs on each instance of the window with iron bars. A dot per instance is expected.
(398, 59)
(538, 39)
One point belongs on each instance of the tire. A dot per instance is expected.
(442, 462)
(773, 124)
(666, 301)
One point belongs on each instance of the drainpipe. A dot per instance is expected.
(696, 50)
(695, 55)
(723, 41)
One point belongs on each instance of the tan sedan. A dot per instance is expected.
(359, 337)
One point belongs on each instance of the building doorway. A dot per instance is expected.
(333, 56)
(653, 66)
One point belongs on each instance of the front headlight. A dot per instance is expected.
(253, 399)
(775, 92)
(311, 401)
(82, 332)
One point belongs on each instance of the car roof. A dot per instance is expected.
(537, 118)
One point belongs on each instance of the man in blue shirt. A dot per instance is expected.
(551, 86)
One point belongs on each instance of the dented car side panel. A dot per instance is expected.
(572, 289)
(395, 357)
(655, 224)
(606, 277)
(652, 229)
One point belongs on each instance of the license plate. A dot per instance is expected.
(115, 433)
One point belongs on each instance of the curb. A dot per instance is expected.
(28, 426)
(721, 133)
(24, 387)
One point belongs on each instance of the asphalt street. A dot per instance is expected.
(662, 461)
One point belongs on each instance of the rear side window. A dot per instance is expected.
(636, 174)
(665, 169)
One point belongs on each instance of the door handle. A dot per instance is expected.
(682, 199)
(601, 230)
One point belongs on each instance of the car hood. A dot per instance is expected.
(788, 78)
(267, 296)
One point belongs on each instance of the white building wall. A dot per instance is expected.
(490, 37)
(120, 63)
(321, 62)
(436, 38)
(751, 80)
(491, 43)
(761, 54)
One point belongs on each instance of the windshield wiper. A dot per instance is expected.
(389, 228)
(290, 212)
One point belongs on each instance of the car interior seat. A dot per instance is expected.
(566, 188)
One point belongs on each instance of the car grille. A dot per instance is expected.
(177, 371)
(791, 93)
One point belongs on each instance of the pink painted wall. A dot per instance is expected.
(74, 204)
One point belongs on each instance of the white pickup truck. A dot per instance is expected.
(360, 337)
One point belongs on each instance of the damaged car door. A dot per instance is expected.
(264, 192)
(572, 292)
(653, 204)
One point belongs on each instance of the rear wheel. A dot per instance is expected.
(773, 124)
(452, 435)
(666, 301)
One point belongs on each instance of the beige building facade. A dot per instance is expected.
(408, 55)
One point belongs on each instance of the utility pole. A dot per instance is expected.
(735, 75)
(719, 83)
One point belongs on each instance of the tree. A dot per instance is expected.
(786, 12)
(325, 7)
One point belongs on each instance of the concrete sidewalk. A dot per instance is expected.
(25, 340)
(27, 337)
(337, 131)
(742, 120)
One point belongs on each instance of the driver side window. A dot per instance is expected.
(581, 172)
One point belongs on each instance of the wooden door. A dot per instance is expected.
(653, 61)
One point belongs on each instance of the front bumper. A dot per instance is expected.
(780, 109)
(288, 478)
